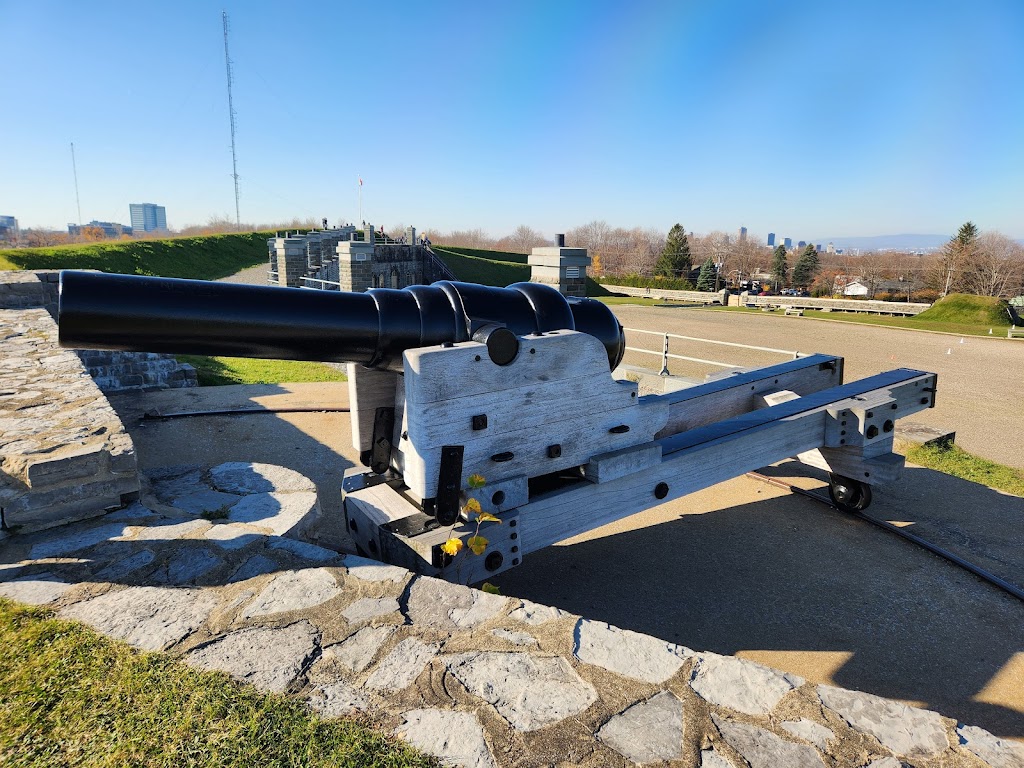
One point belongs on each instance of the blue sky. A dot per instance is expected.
(811, 119)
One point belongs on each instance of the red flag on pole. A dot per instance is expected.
(360, 182)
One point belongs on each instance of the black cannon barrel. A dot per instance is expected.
(160, 314)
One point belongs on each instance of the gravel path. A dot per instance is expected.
(980, 379)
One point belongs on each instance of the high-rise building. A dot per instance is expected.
(830, 248)
(801, 244)
(771, 239)
(147, 217)
(8, 228)
(743, 234)
(788, 242)
(818, 248)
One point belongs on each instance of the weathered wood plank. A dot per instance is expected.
(436, 374)
(368, 390)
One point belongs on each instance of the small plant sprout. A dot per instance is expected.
(471, 509)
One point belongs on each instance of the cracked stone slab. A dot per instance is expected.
(188, 565)
(455, 737)
(371, 570)
(257, 565)
(368, 608)
(150, 618)
(402, 666)
(281, 514)
(739, 684)
(710, 758)
(304, 550)
(38, 589)
(516, 638)
(808, 730)
(356, 652)
(294, 591)
(763, 749)
(77, 541)
(1000, 753)
(167, 531)
(440, 604)
(177, 483)
(647, 732)
(534, 613)
(127, 565)
(248, 478)
(336, 699)
(198, 502)
(627, 653)
(530, 692)
(130, 513)
(901, 728)
(885, 762)
(269, 659)
(233, 536)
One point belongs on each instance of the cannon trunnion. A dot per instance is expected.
(504, 396)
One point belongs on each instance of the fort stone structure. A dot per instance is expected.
(350, 259)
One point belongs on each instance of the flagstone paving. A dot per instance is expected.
(483, 680)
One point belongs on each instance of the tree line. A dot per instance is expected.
(982, 263)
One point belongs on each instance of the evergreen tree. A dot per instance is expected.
(675, 260)
(806, 267)
(958, 255)
(779, 266)
(706, 279)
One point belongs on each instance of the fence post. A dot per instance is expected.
(664, 359)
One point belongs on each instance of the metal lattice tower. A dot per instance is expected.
(231, 116)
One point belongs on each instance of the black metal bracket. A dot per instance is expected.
(449, 484)
(383, 431)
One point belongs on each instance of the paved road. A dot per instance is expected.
(981, 380)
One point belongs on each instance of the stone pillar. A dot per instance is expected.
(288, 259)
(355, 265)
(560, 267)
(410, 235)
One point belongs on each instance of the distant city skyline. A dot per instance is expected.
(551, 115)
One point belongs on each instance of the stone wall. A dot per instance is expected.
(64, 454)
(699, 297)
(112, 371)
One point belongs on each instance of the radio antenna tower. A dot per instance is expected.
(74, 169)
(231, 115)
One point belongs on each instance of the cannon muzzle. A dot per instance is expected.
(159, 314)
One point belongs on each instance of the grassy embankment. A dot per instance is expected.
(197, 258)
(73, 697)
(957, 313)
(501, 268)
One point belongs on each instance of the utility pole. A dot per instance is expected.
(74, 169)
(231, 116)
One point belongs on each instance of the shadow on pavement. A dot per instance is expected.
(797, 585)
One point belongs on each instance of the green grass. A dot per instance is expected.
(957, 313)
(640, 300)
(199, 258)
(954, 461)
(474, 265)
(486, 271)
(481, 253)
(69, 697)
(218, 371)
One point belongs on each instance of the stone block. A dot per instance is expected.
(69, 464)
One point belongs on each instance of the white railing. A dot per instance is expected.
(315, 283)
(665, 355)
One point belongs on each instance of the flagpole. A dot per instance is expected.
(361, 219)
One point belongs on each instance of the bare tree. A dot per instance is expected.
(997, 267)
(522, 240)
(873, 269)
